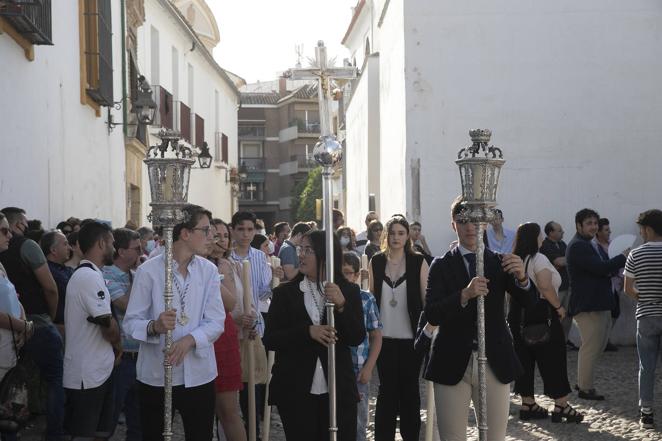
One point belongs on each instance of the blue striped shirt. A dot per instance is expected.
(260, 280)
(361, 352)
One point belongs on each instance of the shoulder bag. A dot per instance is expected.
(14, 410)
(536, 320)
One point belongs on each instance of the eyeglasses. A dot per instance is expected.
(205, 230)
(5, 231)
(305, 251)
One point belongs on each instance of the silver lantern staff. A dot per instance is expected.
(169, 174)
(327, 153)
(480, 167)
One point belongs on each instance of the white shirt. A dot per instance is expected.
(394, 312)
(203, 307)
(538, 263)
(314, 302)
(363, 235)
(88, 356)
(504, 245)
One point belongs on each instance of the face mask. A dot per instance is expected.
(344, 241)
(149, 247)
(272, 247)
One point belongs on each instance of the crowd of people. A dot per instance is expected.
(82, 309)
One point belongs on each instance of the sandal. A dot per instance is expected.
(532, 412)
(567, 412)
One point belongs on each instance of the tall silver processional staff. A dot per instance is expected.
(169, 173)
(480, 167)
(327, 153)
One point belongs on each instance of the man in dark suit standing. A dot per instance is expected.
(451, 304)
(591, 297)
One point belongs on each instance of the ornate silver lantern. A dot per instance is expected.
(480, 167)
(169, 168)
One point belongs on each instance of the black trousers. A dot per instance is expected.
(307, 418)
(399, 368)
(194, 404)
(260, 391)
(550, 358)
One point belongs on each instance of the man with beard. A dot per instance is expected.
(92, 344)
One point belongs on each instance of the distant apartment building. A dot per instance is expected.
(279, 125)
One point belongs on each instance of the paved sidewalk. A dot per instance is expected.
(612, 420)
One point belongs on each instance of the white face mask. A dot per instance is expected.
(150, 245)
(344, 241)
(272, 247)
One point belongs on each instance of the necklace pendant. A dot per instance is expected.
(393, 303)
(183, 319)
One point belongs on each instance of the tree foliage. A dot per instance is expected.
(304, 195)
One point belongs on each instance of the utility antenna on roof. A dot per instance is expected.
(298, 49)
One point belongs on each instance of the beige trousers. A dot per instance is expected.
(452, 405)
(594, 330)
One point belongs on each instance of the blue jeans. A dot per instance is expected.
(362, 414)
(126, 397)
(45, 348)
(649, 345)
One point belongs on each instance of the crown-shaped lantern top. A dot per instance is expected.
(480, 166)
(169, 169)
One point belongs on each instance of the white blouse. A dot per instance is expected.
(393, 311)
(314, 301)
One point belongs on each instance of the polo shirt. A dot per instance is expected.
(88, 356)
(118, 283)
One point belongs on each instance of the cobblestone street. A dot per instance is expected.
(614, 419)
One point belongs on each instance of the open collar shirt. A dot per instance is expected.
(206, 318)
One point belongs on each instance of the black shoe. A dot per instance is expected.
(532, 412)
(646, 421)
(566, 413)
(590, 395)
(571, 346)
(611, 347)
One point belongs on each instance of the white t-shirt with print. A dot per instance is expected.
(88, 357)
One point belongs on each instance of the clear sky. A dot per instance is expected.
(258, 37)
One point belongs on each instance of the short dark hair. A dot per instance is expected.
(351, 259)
(2, 216)
(73, 238)
(651, 218)
(585, 213)
(457, 206)
(144, 232)
(300, 228)
(278, 228)
(73, 221)
(549, 227)
(258, 240)
(64, 224)
(13, 214)
(498, 212)
(122, 238)
(194, 214)
(602, 222)
(91, 233)
(241, 216)
(416, 224)
(526, 240)
(47, 241)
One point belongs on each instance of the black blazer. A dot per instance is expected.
(287, 334)
(590, 277)
(453, 345)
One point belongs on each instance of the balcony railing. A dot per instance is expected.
(306, 126)
(252, 131)
(253, 164)
(304, 162)
(31, 18)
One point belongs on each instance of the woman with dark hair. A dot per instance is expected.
(261, 242)
(550, 356)
(347, 238)
(375, 230)
(226, 348)
(298, 332)
(398, 280)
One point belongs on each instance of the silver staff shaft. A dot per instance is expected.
(167, 367)
(330, 320)
(482, 358)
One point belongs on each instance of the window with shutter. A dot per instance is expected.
(224, 148)
(96, 53)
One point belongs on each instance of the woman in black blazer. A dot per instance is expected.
(296, 330)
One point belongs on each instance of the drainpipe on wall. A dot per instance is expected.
(124, 91)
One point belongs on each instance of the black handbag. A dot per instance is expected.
(536, 328)
(14, 410)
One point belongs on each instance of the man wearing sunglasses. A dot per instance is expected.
(27, 268)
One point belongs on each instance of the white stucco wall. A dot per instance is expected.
(207, 187)
(57, 158)
(570, 90)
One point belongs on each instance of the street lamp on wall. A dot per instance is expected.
(204, 157)
(143, 107)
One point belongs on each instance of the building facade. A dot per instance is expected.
(574, 105)
(279, 125)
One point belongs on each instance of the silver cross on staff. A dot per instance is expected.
(324, 75)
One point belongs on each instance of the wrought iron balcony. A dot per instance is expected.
(252, 131)
(306, 126)
(253, 164)
(31, 18)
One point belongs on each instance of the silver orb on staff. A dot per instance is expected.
(169, 169)
(480, 167)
